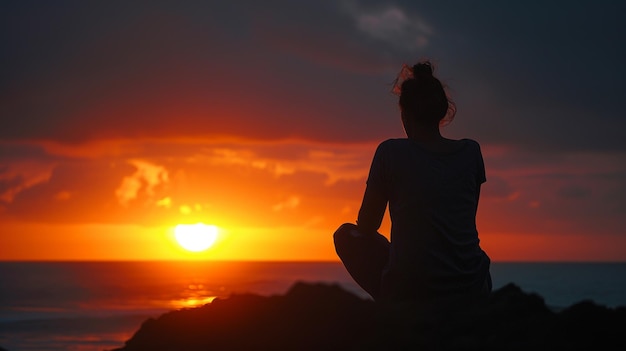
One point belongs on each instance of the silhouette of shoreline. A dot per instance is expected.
(327, 317)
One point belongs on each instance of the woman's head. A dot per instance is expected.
(423, 99)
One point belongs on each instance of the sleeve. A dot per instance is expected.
(376, 196)
(481, 176)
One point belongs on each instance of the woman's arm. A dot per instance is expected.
(372, 210)
(375, 197)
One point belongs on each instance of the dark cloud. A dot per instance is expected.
(163, 70)
(11, 152)
(538, 76)
(573, 192)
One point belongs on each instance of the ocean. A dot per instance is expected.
(96, 306)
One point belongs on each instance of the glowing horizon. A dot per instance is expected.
(277, 200)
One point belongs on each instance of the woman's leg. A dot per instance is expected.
(364, 256)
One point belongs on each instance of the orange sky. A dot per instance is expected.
(117, 200)
(120, 199)
(120, 121)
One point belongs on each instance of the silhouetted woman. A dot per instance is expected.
(432, 185)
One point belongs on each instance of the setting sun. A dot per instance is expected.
(195, 237)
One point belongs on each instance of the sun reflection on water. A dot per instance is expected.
(192, 302)
(195, 294)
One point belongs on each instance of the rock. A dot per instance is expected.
(327, 317)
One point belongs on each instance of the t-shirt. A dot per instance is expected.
(433, 199)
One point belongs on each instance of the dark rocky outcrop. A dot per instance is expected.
(326, 317)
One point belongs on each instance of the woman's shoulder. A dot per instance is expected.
(470, 142)
(394, 145)
(393, 142)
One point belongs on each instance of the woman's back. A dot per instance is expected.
(433, 198)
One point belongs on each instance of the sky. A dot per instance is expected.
(120, 120)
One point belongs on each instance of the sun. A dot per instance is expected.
(195, 237)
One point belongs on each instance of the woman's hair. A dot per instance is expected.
(423, 97)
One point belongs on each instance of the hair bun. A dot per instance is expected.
(423, 69)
